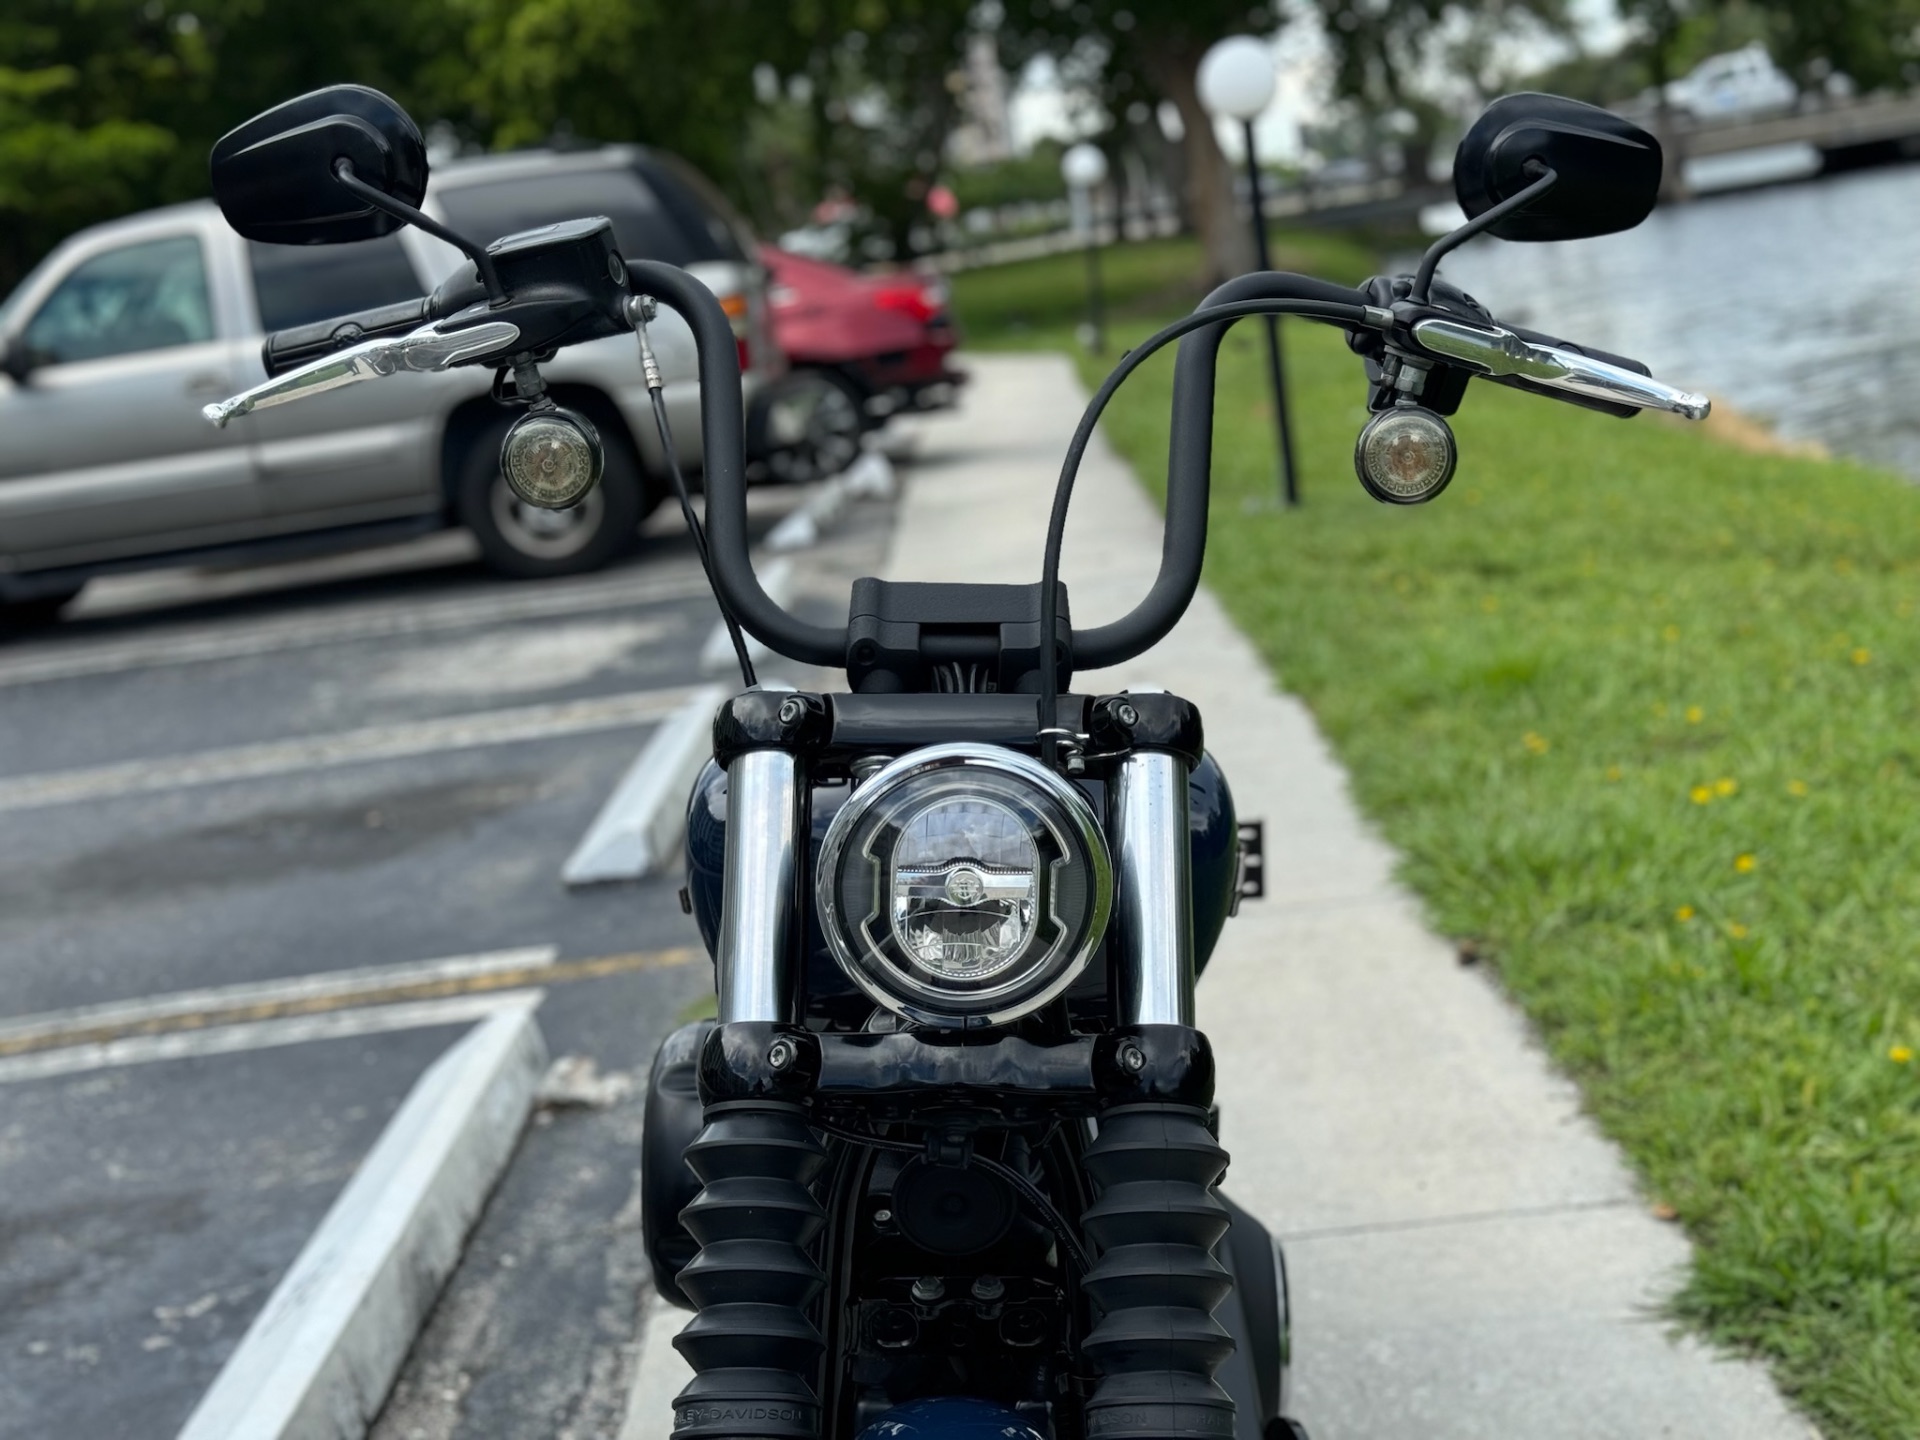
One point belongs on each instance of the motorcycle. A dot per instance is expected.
(947, 1160)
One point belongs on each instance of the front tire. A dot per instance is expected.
(527, 543)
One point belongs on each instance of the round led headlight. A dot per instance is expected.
(964, 886)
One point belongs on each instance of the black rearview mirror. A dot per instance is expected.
(275, 176)
(1608, 168)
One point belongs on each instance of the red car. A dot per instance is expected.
(863, 347)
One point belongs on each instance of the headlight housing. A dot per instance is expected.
(964, 886)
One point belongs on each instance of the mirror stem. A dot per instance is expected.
(1446, 244)
(380, 200)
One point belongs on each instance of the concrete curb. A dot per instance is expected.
(318, 1360)
(637, 827)
(659, 1374)
(869, 477)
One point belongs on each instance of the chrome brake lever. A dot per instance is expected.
(424, 349)
(1494, 350)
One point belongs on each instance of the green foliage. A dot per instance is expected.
(1033, 176)
(108, 106)
(1611, 661)
(1421, 62)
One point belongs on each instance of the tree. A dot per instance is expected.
(1876, 42)
(1417, 63)
(1146, 50)
(112, 106)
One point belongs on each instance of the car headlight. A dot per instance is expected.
(964, 886)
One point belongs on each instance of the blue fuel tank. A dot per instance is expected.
(1212, 834)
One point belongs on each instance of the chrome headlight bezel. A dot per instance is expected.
(1072, 884)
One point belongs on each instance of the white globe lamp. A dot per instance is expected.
(1236, 82)
(1236, 78)
(1083, 166)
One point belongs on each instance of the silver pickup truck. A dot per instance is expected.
(111, 346)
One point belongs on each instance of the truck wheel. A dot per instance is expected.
(529, 543)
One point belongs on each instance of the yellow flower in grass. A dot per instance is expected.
(1861, 655)
(1614, 772)
(1726, 785)
(1695, 714)
(1701, 794)
(1744, 864)
(1683, 914)
(1536, 744)
(1737, 930)
(1796, 787)
(1901, 1054)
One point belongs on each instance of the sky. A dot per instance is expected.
(1041, 109)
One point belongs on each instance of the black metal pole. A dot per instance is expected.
(1096, 301)
(1289, 486)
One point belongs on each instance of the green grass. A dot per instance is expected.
(1038, 304)
(1642, 712)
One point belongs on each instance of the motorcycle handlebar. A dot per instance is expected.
(1529, 361)
(289, 349)
(1189, 479)
(1183, 546)
(722, 435)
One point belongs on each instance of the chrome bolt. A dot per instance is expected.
(1126, 714)
(791, 710)
(929, 1288)
(883, 1217)
(989, 1287)
(1133, 1059)
(781, 1054)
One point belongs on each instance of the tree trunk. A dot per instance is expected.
(1224, 235)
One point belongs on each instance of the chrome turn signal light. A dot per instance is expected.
(1405, 456)
(552, 457)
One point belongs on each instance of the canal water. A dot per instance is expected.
(1799, 305)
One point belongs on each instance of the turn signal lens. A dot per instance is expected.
(551, 458)
(1405, 456)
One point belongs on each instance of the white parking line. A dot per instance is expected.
(372, 620)
(258, 998)
(346, 747)
(322, 1353)
(261, 1035)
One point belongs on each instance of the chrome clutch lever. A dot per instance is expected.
(425, 349)
(1497, 351)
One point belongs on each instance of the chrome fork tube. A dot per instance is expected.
(1153, 908)
(757, 908)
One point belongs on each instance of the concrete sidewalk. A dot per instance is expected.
(1470, 1260)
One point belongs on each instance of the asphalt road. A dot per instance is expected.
(211, 779)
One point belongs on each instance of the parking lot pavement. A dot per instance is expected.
(244, 778)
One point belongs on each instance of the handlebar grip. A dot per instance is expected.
(285, 350)
(1605, 407)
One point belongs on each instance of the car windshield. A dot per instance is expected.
(644, 227)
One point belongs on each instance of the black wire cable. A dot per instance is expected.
(699, 535)
(1353, 315)
(1025, 1188)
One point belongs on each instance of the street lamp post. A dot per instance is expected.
(1084, 168)
(1236, 81)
